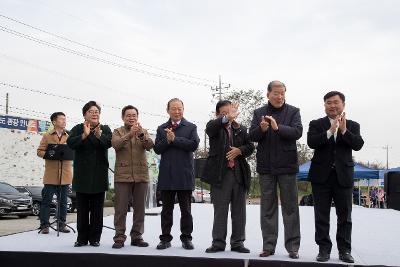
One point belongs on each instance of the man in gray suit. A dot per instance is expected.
(276, 127)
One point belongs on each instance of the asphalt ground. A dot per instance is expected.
(12, 224)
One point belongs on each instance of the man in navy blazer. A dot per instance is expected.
(176, 140)
(333, 139)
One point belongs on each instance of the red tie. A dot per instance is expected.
(174, 126)
(231, 163)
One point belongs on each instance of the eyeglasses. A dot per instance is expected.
(93, 112)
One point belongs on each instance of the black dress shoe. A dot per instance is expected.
(346, 257)
(95, 244)
(240, 249)
(323, 257)
(187, 244)
(164, 245)
(79, 244)
(139, 243)
(267, 253)
(214, 249)
(118, 245)
(293, 255)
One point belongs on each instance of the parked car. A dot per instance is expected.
(196, 196)
(201, 196)
(36, 193)
(13, 202)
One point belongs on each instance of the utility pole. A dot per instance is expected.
(6, 103)
(387, 156)
(205, 142)
(218, 89)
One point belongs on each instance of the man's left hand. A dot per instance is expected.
(274, 125)
(342, 123)
(233, 153)
(170, 135)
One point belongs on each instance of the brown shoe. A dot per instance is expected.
(64, 229)
(139, 243)
(45, 230)
(118, 245)
(267, 253)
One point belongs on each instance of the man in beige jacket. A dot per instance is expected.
(52, 174)
(131, 176)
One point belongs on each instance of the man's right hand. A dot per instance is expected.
(233, 112)
(135, 130)
(334, 126)
(264, 124)
(170, 135)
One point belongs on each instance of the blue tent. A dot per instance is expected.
(303, 171)
(382, 172)
(360, 172)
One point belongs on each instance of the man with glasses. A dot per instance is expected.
(131, 178)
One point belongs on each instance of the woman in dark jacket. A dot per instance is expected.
(90, 141)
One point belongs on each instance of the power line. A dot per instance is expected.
(94, 84)
(97, 85)
(78, 99)
(103, 51)
(67, 97)
(94, 58)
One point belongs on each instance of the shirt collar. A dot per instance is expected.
(177, 123)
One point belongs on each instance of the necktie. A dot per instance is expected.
(231, 163)
(174, 126)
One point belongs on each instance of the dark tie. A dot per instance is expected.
(231, 163)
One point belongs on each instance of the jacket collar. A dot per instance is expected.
(183, 122)
(53, 131)
(326, 122)
(270, 107)
(235, 125)
(122, 130)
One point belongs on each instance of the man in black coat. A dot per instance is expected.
(331, 173)
(176, 140)
(276, 127)
(228, 172)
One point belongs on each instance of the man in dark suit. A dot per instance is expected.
(228, 172)
(331, 173)
(176, 140)
(276, 127)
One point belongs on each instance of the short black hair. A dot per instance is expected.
(271, 84)
(173, 100)
(222, 103)
(55, 115)
(333, 93)
(124, 109)
(88, 105)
